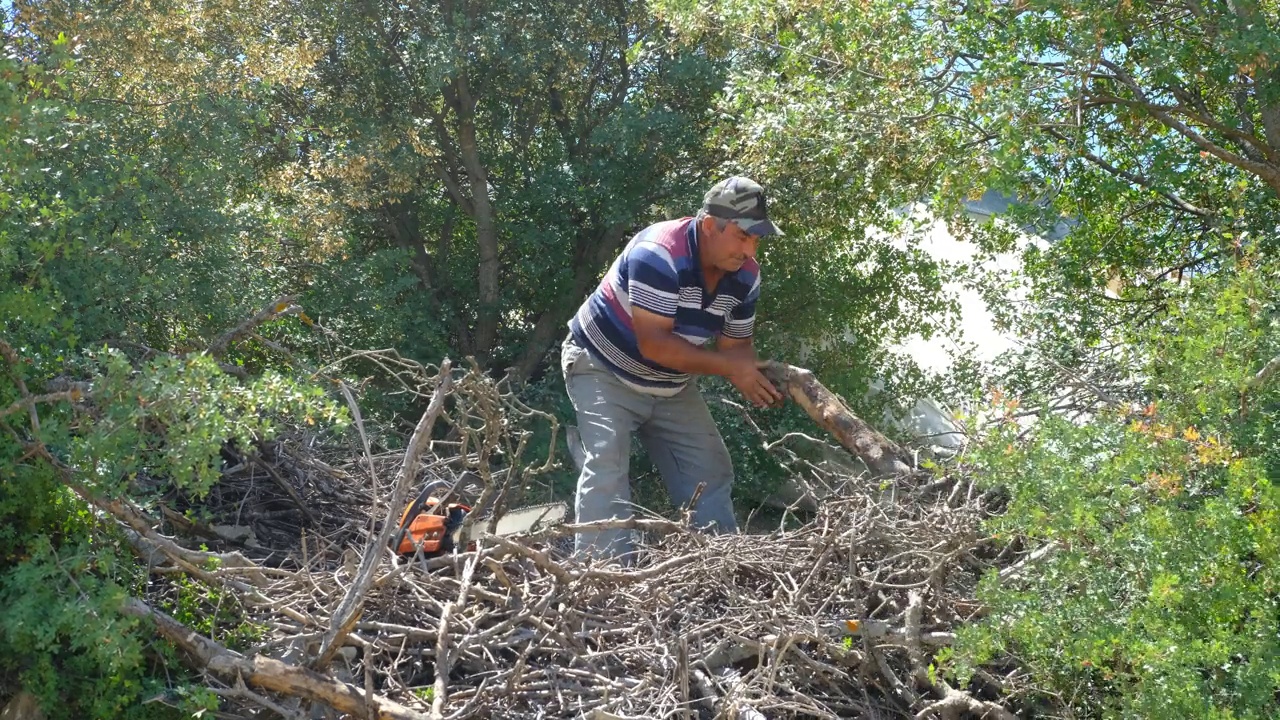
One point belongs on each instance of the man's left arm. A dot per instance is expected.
(737, 346)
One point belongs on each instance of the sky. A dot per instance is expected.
(976, 326)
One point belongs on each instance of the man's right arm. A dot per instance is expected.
(655, 335)
(654, 294)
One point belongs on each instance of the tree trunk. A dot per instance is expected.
(548, 326)
(828, 410)
(552, 321)
(402, 224)
(458, 93)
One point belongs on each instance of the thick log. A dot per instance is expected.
(880, 454)
(269, 673)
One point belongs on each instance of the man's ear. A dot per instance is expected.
(707, 225)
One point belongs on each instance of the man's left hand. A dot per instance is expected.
(760, 392)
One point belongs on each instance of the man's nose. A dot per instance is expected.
(749, 245)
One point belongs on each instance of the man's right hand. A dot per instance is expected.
(658, 342)
(752, 383)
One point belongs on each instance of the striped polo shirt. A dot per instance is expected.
(659, 271)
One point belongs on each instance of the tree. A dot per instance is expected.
(841, 111)
(131, 215)
(1153, 586)
(137, 213)
(506, 151)
(1143, 128)
(1151, 126)
(1147, 128)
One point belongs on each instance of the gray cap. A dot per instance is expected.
(741, 200)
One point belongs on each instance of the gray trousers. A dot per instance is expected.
(677, 432)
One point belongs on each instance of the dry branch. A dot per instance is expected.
(956, 701)
(1266, 372)
(31, 400)
(443, 659)
(1035, 556)
(268, 673)
(701, 626)
(829, 411)
(280, 306)
(289, 490)
(348, 610)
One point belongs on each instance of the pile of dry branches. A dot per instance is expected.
(838, 617)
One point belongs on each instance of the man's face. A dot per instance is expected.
(727, 249)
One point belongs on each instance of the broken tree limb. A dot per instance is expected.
(1030, 559)
(344, 618)
(139, 529)
(880, 454)
(444, 660)
(269, 673)
(30, 401)
(955, 701)
(282, 305)
(288, 488)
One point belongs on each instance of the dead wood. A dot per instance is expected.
(282, 305)
(268, 673)
(349, 609)
(956, 702)
(832, 619)
(287, 488)
(880, 454)
(1266, 372)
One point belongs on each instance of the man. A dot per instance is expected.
(637, 340)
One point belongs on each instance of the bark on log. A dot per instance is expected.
(880, 454)
(269, 673)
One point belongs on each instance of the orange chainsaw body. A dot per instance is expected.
(430, 528)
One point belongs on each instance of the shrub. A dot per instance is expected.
(1163, 596)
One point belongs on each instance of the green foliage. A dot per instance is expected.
(1163, 596)
(214, 612)
(61, 633)
(829, 107)
(487, 162)
(131, 209)
(63, 575)
(62, 578)
(170, 417)
(452, 178)
(1138, 123)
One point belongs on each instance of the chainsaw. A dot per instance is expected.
(437, 529)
